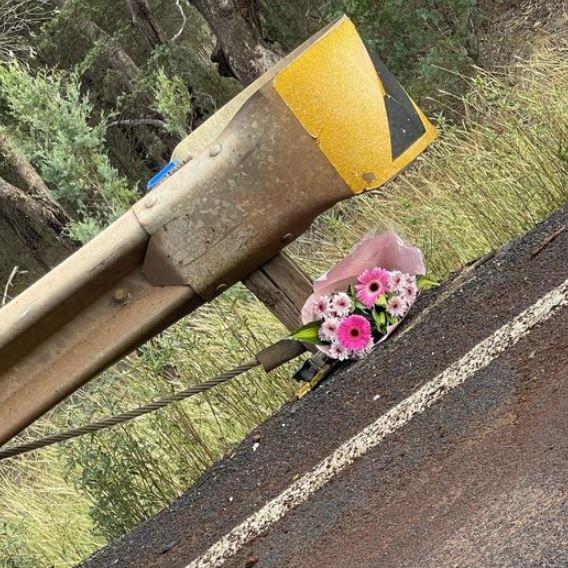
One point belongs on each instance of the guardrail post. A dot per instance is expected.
(283, 287)
(325, 123)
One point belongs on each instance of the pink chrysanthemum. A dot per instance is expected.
(371, 284)
(409, 280)
(396, 306)
(341, 304)
(337, 351)
(354, 332)
(321, 307)
(396, 280)
(408, 293)
(328, 329)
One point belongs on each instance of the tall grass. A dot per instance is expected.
(488, 179)
(43, 518)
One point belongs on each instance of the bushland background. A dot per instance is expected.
(95, 94)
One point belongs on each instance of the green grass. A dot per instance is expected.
(487, 180)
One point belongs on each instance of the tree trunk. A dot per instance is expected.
(35, 185)
(29, 244)
(144, 20)
(149, 146)
(30, 207)
(241, 50)
(111, 74)
(112, 57)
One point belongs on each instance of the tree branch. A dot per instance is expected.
(144, 20)
(9, 283)
(183, 21)
(138, 122)
(32, 180)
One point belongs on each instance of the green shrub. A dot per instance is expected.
(54, 126)
(423, 42)
(174, 103)
(181, 65)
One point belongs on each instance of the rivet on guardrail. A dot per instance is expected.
(120, 295)
(215, 150)
(150, 202)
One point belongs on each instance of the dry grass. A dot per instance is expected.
(490, 179)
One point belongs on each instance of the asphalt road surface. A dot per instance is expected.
(447, 447)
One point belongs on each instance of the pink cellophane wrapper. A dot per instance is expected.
(386, 250)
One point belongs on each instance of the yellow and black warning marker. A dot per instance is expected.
(324, 123)
(364, 122)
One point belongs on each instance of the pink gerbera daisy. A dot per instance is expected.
(341, 304)
(396, 306)
(337, 351)
(354, 332)
(328, 329)
(321, 307)
(371, 284)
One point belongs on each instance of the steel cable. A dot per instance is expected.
(129, 415)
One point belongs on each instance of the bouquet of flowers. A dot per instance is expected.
(358, 303)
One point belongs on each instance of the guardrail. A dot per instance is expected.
(325, 123)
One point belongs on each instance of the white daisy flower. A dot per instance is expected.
(409, 280)
(397, 307)
(396, 280)
(337, 351)
(321, 307)
(341, 304)
(408, 292)
(328, 329)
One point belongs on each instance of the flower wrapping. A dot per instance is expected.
(361, 300)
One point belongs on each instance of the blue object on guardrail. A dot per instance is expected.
(165, 172)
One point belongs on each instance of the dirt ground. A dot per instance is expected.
(517, 28)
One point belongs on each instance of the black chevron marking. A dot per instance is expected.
(405, 126)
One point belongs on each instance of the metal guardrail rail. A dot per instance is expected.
(295, 142)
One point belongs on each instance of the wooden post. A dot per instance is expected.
(282, 287)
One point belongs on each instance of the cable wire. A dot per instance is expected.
(129, 415)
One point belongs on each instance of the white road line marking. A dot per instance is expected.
(430, 393)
